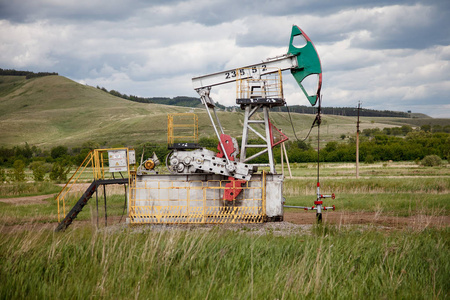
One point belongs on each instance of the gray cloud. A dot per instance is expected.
(390, 54)
(26, 11)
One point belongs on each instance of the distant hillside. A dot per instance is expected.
(419, 116)
(195, 102)
(54, 110)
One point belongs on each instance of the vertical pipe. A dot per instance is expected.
(282, 164)
(357, 143)
(318, 149)
(106, 215)
(96, 200)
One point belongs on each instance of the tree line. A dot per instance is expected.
(375, 145)
(27, 74)
(345, 111)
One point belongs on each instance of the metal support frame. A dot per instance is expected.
(267, 147)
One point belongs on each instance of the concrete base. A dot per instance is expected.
(204, 193)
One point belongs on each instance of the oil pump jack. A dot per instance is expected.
(208, 187)
(204, 186)
(259, 88)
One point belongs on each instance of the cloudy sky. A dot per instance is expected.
(388, 54)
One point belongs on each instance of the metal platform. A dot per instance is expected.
(271, 102)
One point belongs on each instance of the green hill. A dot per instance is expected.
(53, 110)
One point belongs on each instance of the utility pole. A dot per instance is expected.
(357, 142)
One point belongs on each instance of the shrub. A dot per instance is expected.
(369, 159)
(59, 151)
(431, 161)
(39, 170)
(59, 171)
(2, 175)
(18, 171)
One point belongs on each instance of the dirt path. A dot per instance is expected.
(292, 220)
(27, 200)
(77, 188)
(365, 176)
(368, 218)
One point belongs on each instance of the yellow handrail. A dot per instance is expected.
(73, 179)
(182, 132)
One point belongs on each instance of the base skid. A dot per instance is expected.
(199, 198)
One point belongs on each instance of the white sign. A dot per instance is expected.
(117, 160)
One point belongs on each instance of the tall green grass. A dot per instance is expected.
(392, 196)
(380, 169)
(47, 212)
(24, 189)
(438, 185)
(390, 204)
(189, 263)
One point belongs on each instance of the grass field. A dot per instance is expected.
(388, 239)
(285, 260)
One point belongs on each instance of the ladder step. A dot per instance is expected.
(255, 146)
(256, 121)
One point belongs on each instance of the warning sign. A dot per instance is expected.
(117, 160)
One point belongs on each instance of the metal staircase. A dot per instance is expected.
(78, 207)
(96, 163)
